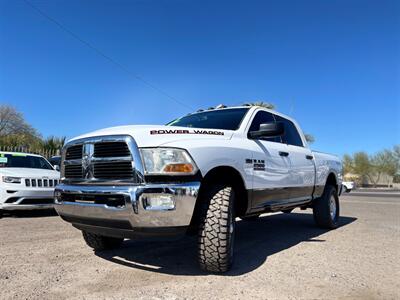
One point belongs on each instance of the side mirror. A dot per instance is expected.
(268, 130)
(56, 167)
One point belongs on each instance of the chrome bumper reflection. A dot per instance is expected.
(134, 211)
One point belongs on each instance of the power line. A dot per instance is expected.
(101, 53)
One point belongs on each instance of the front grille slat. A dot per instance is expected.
(73, 171)
(113, 170)
(74, 152)
(111, 149)
(36, 182)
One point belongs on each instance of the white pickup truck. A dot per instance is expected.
(195, 175)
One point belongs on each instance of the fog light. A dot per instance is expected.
(158, 202)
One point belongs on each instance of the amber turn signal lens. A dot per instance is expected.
(178, 168)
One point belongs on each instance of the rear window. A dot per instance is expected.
(23, 161)
(228, 119)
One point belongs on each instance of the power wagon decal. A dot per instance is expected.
(186, 131)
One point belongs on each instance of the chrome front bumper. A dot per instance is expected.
(133, 215)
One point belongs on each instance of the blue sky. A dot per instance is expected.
(332, 65)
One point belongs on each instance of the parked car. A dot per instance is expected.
(195, 175)
(27, 182)
(348, 186)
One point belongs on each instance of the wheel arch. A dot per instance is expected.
(222, 175)
(332, 180)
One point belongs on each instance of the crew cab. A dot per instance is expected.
(27, 182)
(195, 175)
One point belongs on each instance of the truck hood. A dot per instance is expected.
(157, 135)
(29, 172)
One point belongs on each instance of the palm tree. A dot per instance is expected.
(53, 144)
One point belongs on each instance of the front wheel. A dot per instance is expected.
(217, 229)
(100, 242)
(326, 209)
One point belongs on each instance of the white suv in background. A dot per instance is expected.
(348, 186)
(27, 181)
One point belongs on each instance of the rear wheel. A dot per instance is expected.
(217, 229)
(100, 242)
(326, 209)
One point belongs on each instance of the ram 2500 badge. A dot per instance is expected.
(195, 175)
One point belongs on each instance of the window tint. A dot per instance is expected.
(23, 161)
(263, 117)
(291, 136)
(228, 119)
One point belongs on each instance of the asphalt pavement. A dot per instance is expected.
(279, 256)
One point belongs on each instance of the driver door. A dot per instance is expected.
(271, 166)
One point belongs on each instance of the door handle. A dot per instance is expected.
(309, 157)
(283, 153)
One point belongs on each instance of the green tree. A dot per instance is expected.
(384, 162)
(17, 135)
(13, 123)
(348, 164)
(53, 144)
(362, 166)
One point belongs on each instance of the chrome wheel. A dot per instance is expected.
(332, 207)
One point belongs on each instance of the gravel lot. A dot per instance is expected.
(278, 257)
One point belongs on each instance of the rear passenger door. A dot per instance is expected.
(302, 170)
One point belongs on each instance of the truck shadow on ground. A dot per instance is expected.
(255, 241)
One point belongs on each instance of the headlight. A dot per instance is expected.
(9, 179)
(167, 161)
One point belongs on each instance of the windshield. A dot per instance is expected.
(23, 161)
(228, 119)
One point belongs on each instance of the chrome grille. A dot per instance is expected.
(102, 160)
(33, 182)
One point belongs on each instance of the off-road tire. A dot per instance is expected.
(322, 210)
(99, 242)
(217, 229)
